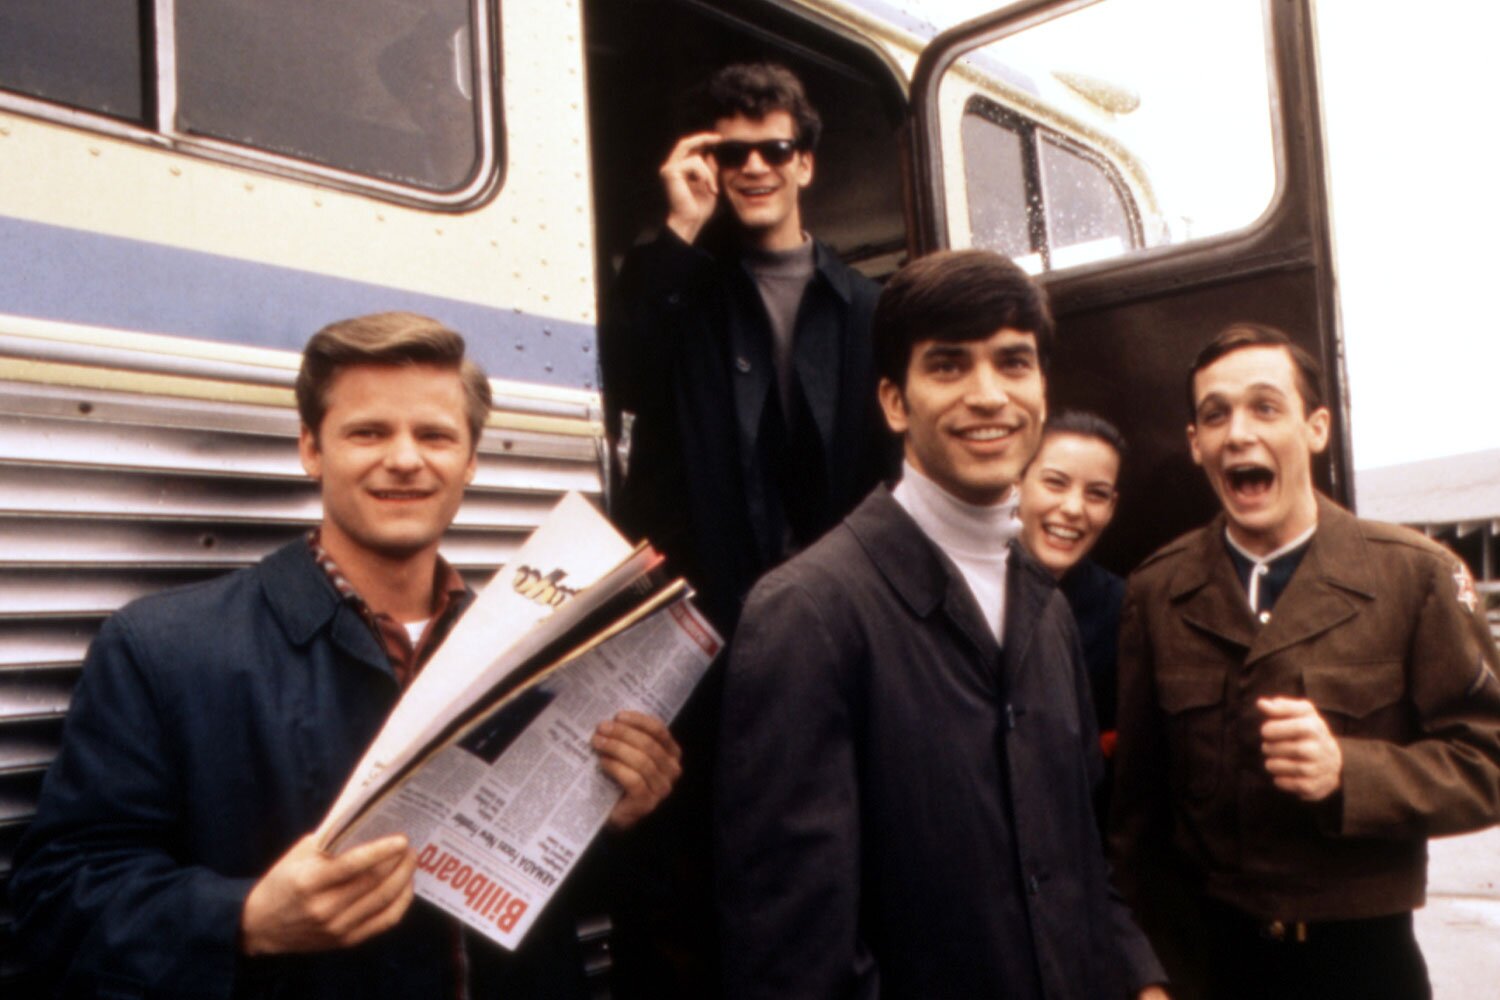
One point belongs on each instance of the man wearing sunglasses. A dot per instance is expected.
(737, 351)
(737, 365)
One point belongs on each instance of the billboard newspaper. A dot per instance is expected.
(485, 763)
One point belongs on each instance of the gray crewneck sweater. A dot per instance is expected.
(782, 277)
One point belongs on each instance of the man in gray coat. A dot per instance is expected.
(908, 751)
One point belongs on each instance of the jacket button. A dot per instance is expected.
(673, 298)
(742, 365)
(1032, 885)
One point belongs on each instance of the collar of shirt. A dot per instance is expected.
(406, 656)
(976, 538)
(1265, 577)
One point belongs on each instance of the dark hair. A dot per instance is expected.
(392, 339)
(956, 296)
(755, 90)
(1237, 337)
(1082, 423)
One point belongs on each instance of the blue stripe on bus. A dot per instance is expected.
(70, 275)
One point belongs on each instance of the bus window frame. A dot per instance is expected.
(1031, 133)
(158, 129)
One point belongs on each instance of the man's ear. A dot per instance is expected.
(1192, 433)
(307, 450)
(1319, 426)
(893, 403)
(804, 168)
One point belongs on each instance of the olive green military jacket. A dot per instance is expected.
(1378, 627)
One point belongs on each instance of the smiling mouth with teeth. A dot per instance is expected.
(1249, 480)
(1066, 534)
(985, 433)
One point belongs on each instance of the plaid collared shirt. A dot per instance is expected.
(407, 658)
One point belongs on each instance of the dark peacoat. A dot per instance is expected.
(686, 348)
(903, 807)
(212, 728)
(1377, 628)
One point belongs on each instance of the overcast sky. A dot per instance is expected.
(1416, 215)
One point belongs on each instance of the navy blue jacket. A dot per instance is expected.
(212, 728)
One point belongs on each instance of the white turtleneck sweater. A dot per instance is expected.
(976, 538)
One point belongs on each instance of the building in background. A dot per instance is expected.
(1455, 500)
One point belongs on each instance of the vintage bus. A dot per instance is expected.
(190, 188)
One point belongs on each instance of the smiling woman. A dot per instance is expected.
(1068, 498)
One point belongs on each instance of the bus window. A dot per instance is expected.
(85, 54)
(378, 88)
(1001, 197)
(1087, 217)
(1101, 127)
(382, 94)
(1038, 198)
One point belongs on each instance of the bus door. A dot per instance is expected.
(1158, 164)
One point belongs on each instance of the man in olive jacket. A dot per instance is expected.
(1305, 698)
(908, 750)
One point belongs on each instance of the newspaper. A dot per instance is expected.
(528, 604)
(486, 762)
(501, 814)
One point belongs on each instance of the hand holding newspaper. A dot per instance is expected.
(486, 763)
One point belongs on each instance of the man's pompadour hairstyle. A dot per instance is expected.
(957, 296)
(389, 338)
(755, 90)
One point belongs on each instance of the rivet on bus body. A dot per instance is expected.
(175, 171)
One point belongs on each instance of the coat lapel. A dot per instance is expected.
(750, 378)
(1208, 593)
(1327, 588)
(1028, 588)
(818, 359)
(750, 364)
(925, 580)
(305, 603)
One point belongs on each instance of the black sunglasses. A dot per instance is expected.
(733, 153)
